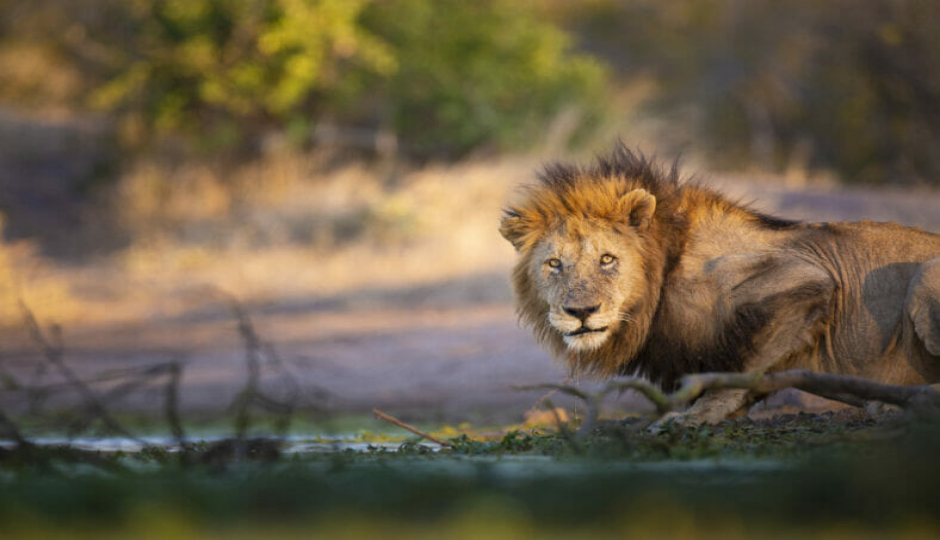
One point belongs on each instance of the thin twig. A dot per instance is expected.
(564, 430)
(546, 396)
(416, 431)
(257, 350)
(34, 392)
(8, 429)
(53, 353)
(253, 366)
(294, 390)
(171, 402)
(139, 377)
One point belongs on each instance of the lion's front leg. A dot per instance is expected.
(713, 407)
(791, 299)
(716, 405)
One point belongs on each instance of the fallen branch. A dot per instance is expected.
(416, 431)
(593, 400)
(137, 378)
(53, 353)
(917, 398)
(847, 389)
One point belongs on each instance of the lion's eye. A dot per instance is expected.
(554, 263)
(607, 259)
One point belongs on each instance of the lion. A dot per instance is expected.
(626, 269)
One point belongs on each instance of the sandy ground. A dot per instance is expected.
(443, 352)
(435, 362)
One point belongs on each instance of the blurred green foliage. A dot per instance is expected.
(446, 76)
(203, 65)
(475, 73)
(840, 85)
(831, 483)
(845, 85)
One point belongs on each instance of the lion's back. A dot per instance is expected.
(876, 267)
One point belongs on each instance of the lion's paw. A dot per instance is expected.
(672, 420)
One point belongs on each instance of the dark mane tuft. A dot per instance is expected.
(625, 163)
(621, 162)
(773, 222)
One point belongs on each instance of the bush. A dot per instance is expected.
(448, 76)
(850, 86)
(224, 69)
(479, 73)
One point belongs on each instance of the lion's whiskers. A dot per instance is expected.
(627, 318)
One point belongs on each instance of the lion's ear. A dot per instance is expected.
(639, 205)
(514, 228)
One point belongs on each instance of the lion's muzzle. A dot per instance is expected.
(581, 312)
(585, 330)
(581, 327)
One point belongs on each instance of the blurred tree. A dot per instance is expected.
(845, 85)
(448, 76)
(219, 67)
(479, 73)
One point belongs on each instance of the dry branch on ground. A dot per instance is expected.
(126, 381)
(847, 389)
(391, 419)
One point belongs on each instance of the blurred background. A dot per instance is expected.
(339, 166)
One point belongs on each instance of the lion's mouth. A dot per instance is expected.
(585, 330)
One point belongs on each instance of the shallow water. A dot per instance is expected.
(508, 466)
(291, 444)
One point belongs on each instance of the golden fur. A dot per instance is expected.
(625, 269)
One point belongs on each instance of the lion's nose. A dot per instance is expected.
(581, 312)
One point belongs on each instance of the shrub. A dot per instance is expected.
(219, 69)
(844, 85)
(447, 76)
(479, 73)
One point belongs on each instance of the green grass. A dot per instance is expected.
(815, 475)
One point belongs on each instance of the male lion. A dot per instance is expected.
(623, 269)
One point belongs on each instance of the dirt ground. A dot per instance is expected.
(443, 352)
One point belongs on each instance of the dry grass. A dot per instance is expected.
(26, 276)
(36, 78)
(289, 228)
(281, 229)
(281, 226)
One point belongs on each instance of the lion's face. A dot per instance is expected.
(589, 274)
(582, 275)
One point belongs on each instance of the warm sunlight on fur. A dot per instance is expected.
(625, 269)
(596, 277)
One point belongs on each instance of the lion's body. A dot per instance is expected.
(691, 282)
